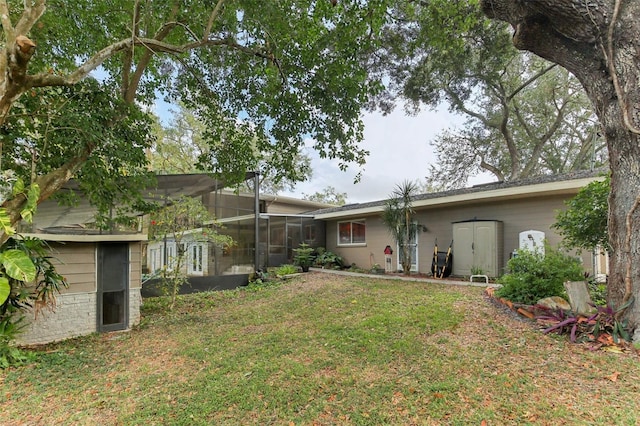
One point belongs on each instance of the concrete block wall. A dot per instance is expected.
(74, 315)
(135, 302)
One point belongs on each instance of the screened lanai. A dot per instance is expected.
(280, 228)
(278, 236)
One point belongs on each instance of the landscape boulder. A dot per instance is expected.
(554, 303)
(579, 297)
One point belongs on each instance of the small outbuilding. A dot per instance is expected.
(103, 268)
(103, 294)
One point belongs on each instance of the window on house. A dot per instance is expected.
(196, 259)
(172, 253)
(351, 232)
(155, 257)
(309, 233)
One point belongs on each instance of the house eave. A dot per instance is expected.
(567, 187)
(349, 213)
(80, 238)
(528, 191)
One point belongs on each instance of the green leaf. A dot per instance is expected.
(626, 305)
(18, 187)
(32, 202)
(623, 332)
(18, 265)
(5, 222)
(5, 289)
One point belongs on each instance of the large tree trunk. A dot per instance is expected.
(599, 42)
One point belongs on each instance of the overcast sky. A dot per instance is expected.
(400, 149)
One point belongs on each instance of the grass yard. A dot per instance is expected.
(325, 350)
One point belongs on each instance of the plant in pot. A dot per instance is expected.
(303, 256)
(377, 269)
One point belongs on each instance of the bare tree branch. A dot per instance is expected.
(212, 18)
(49, 184)
(128, 56)
(491, 168)
(531, 80)
(462, 107)
(42, 80)
(7, 25)
(30, 15)
(133, 83)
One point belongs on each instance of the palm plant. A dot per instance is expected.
(398, 217)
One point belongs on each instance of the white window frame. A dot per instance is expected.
(196, 258)
(351, 243)
(414, 257)
(155, 257)
(172, 254)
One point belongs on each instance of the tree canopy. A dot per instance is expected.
(270, 72)
(329, 195)
(181, 147)
(535, 120)
(525, 116)
(583, 224)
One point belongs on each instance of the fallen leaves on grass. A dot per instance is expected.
(614, 376)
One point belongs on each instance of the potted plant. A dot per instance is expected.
(377, 269)
(303, 257)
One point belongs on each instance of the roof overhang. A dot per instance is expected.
(80, 238)
(565, 187)
(174, 186)
(252, 217)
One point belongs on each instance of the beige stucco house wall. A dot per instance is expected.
(520, 206)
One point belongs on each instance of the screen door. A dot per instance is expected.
(113, 286)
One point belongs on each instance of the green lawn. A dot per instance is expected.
(325, 350)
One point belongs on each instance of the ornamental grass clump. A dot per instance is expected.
(533, 275)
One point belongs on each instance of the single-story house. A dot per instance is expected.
(482, 224)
